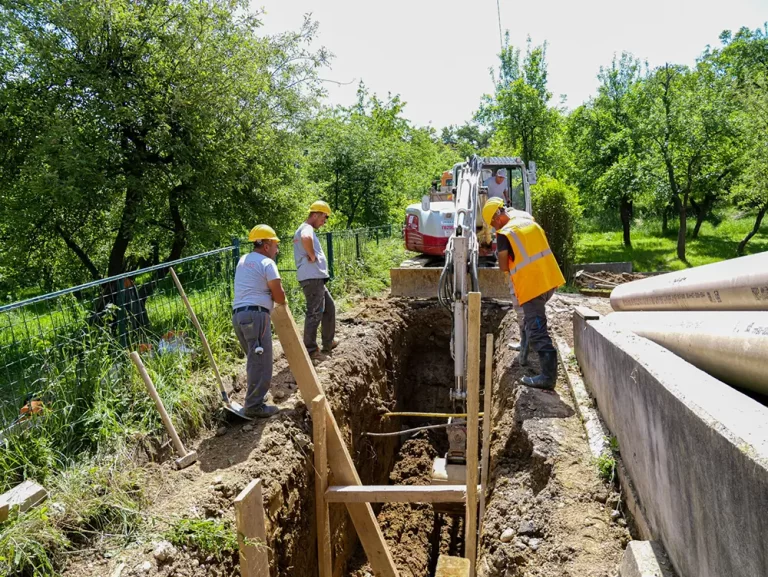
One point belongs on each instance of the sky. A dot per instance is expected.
(436, 54)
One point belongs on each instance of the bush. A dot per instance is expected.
(556, 208)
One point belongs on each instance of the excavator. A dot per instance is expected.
(465, 263)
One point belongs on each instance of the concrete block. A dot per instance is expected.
(22, 497)
(645, 559)
(422, 282)
(452, 566)
(586, 313)
(696, 451)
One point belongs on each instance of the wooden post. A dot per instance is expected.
(341, 463)
(486, 455)
(325, 568)
(185, 458)
(473, 408)
(251, 531)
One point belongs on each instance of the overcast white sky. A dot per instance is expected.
(436, 53)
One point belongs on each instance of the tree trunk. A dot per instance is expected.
(681, 232)
(754, 231)
(665, 219)
(702, 211)
(74, 247)
(626, 218)
(133, 197)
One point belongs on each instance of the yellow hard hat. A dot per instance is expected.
(262, 232)
(491, 206)
(320, 206)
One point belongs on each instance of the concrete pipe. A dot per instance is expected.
(738, 284)
(730, 346)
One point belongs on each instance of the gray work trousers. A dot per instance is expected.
(253, 330)
(535, 321)
(320, 310)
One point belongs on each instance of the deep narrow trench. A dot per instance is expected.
(418, 533)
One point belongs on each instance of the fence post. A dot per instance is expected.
(121, 331)
(357, 244)
(329, 246)
(235, 254)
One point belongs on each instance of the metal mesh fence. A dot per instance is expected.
(49, 343)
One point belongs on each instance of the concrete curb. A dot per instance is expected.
(645, 559)
(597, 432)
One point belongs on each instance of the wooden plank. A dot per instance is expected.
(473, 408)
(486, 454)
(452, 567)
(325, 568)
(159, 404)
(397, 494)
(251, 531)
(341, 463)
(22, 498)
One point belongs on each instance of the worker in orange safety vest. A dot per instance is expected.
(524, 253)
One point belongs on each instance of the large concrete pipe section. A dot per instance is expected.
(730, 346)
(739, 284)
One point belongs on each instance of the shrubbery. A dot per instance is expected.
(556, 208)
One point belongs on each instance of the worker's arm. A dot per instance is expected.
(504, 260)
(308, 243)
(278, 293)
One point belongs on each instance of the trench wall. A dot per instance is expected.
(695, 449)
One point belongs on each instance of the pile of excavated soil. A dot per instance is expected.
(548, 514)
(605, 279)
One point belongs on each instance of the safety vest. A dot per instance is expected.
(534, 269)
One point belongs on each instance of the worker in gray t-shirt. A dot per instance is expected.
(257, 288)
(312, 274)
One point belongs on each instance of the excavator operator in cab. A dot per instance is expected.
(534, 275)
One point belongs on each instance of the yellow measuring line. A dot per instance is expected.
(435, 415)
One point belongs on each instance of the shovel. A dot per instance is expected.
(232, 406)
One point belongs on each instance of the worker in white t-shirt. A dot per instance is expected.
(257, 288)
(498, 187)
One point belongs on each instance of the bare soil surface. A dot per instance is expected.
(548, 512)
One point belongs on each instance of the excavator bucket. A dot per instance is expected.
(414, 279)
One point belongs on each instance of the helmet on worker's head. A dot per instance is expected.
(501, 172)
(262, 232)
(320, 206)
(492, 205)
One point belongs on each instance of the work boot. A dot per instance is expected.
(262, 411)
(328, 348)
(546, 380)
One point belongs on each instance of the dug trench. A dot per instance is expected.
(548, 512)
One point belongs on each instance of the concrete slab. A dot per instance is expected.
(645, 559)
(695, 449)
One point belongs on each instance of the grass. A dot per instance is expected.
(211, 537)
(653, 251)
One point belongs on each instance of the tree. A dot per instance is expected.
(688, 120)
(603, 137)
(133, 130)
(369, 162)
(519, 110)
(467, 139)
(743, 61)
